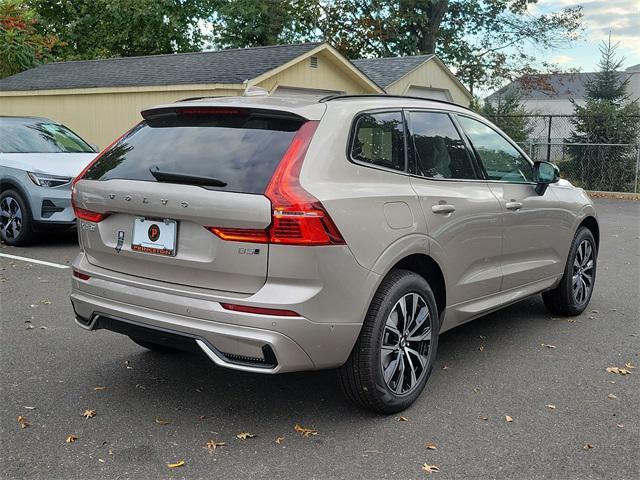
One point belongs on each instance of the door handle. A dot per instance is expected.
(443, 209)
(513, 205)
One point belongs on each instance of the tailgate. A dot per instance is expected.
(201, 259)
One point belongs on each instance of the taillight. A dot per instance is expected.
(298, 218)
(82, 213)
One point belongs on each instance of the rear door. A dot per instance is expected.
(462, 214)
(534, 240)
(177, 173)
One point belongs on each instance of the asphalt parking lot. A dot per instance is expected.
(571, 419)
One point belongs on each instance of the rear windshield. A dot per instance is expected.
(40, 138)
(241, 150)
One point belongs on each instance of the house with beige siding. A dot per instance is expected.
(100, 99)
(417, 76)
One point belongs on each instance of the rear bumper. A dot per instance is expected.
(251, 342)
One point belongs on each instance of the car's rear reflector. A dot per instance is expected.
(81, 276)
(259, 310)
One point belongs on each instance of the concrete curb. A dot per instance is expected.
(614, 195)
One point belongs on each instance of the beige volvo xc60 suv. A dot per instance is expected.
(278, 235)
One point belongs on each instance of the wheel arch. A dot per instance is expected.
(425, 266)
(591, 223)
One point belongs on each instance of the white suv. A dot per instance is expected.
(280, 234)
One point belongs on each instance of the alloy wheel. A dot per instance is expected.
(582, 279)
(405, 349)
(10, 218)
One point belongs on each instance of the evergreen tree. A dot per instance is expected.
(508, 114)
(608, 117)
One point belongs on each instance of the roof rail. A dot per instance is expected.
(348, 96)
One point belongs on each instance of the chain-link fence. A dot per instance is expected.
(612, 167)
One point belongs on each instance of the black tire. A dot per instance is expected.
(8, 200)
(562, 300)
(155, 347)
(361, 378)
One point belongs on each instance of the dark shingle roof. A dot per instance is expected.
(550, 86)
(385, 71)
(223, 66)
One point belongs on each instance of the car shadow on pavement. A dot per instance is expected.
(190, 387)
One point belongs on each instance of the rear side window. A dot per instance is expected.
(439, 151)
(241, 149)
(40, 137)
(378, 139)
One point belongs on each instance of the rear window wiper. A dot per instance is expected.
(185, 178)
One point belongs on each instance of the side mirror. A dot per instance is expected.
(545, 173)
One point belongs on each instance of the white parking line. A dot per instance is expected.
(32, 260)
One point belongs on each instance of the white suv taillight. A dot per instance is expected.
(298, 218)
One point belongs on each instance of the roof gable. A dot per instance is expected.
(224, 66)
(387, 70)
(550, 86)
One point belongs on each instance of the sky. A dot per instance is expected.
(620, 17)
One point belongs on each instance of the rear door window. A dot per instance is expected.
(378, 139)
(240, 148)
(439, 151)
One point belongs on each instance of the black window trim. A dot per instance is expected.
(352, 133)
(463, 136)
(477, 156)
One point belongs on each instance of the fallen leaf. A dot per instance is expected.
(619, 425)
(508, 418)
(402, 419)
(430, 468)
(45, 301)
(101, 460)
(97, 389)
(587, 446)
(482, 417)
(162, 421)
(212, 444)
(71, 439)
(29, 408)
(89, 413)
(445, 367)
(619, 371)
(23, 422)
(629, 365)
(481, 348)
(611, 396)
(245, 435)
(279, 440)
(613, 382)
(199, 389)
(547, 345)
(127, 364)
(552, 407)
(202, 417)
(179, 463)
(476, 389)
(431, 446)
(304, 431)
